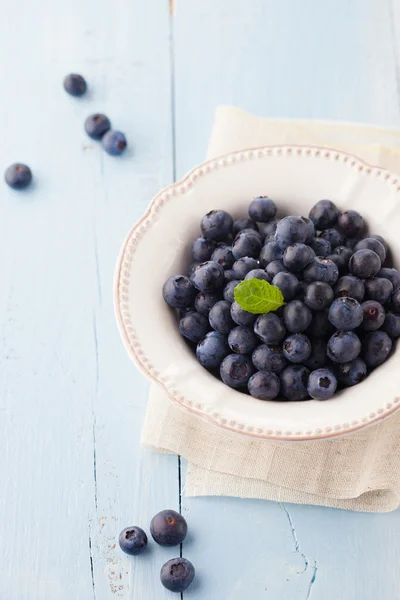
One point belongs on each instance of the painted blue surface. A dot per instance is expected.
(71, 403)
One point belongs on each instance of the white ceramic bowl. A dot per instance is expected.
(158, 246)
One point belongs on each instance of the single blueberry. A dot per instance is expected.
(392, 324)
(320, 246)
(243, 265)
(379, 289)
(392, 274)
(132, 540)
(270, 328)
(350, 286)
(297, 347)
(275, 267)
(262, 209)
(75, 85)
(242, 340)
(271, 251)
(321, 269)
(241, 224)
(223, 255)
(258, 274)
(291, 230)
(236, 370)
(320, 326)
(242, 317)
(353, 372)
(296, 316)
(297, 256)
(179, 292)
(97, 125)
(168, 528)
(220, 317)
(382, 241)
(208, 276)
(318, 356)
(216, 225)
(374, 315)
(18, 176)
(212, 349)
(294, 380)
(287, 283)
(269, 358)
(364, 264)
(395, 300)
(376, 348)
(204, 302)
(350, 223)
(324, 214)
(202, 249)
(370, 243)
(229, 275)
(229, 290)
(264, 385)
(177, 574)
(334, 237)
(247, 243)
(343, 346)
(194, 326)
(319, 295)
(114, 142)
(346, 314)
(322, 384)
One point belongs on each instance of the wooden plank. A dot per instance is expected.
(71, 402)
(329, 60)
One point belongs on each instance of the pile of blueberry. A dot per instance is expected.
(168, 528)
(342, 301)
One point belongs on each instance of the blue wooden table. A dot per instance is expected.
(71, 403)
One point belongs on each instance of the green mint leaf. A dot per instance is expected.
(257, 296)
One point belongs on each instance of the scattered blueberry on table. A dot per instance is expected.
(168, 528)
(114, 142)
(177, 574)
(75, 85)
(18, 176)
(97, 125)
(292, 308)
(132, 540)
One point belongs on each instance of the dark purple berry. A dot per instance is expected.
(264, 385)
(168, 528)
(114, 142)
(216, 225)
(262, 209)
(350, 223)
(236, 370)
(132, 540)
(75, 85)
(374, 315)
(177, 574)
(324, 214)
(97, 125)
(376, 348)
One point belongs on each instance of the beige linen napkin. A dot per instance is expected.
(360, 471)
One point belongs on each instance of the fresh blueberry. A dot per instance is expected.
(18, 176)
(322, 384)
(241, 224)
(321, 269)
(271, 251)
(243, 265)
(264, 385)
(132, 540)
(320, 326)
(242, 340)
(310, 229)
(223, 255)
(370, 243)
(216, 225)
(75, 85)
(270, 328)
(177, 574)
(258, 274)
(191, 268)
(351, 287)
(179, 292)
(376, 348)
(382, 241)
(379, 289)
(320, 246)
(346, 314)
(269, 358)
(343, 346)
(194, 326)
(392, 324)
(168, 528)
(351, 223)
(291, 230)
(319, 295)
(275, 267)
(236, 370)
(294, 380)
(229, 290)
(220, 317)
(114, 142)
(374, 315)
(364, 264)
(287, 283)
(202, 249)
(229, 276)
(341, 258)
(268, 228)
(318, 357)
(242, 317)
(262, 209)
(247, 243)
(392, 274)
(353, 372)
(297, 256)
(204, 302)
(296, 316)
(212, 350)
(208, 276)
(97, 125)
(297, 347)
(333, 236)
(324, 214)
(351, 243)
(395, 300)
